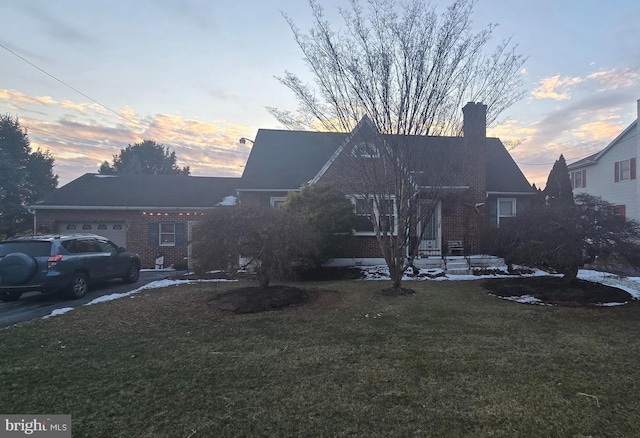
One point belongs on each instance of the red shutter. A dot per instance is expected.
(633, 168)
(616, 169)
(623, 211)
(584, 177)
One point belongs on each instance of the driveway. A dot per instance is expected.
(33, 305)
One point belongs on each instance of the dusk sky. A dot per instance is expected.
(87, 78)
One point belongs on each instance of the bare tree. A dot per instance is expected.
(409, 71)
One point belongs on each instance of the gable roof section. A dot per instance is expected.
(133, 191)
(285, 160)
(593, 159)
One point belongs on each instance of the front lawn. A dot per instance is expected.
(449, 361)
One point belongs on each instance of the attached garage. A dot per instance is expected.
(114, 231)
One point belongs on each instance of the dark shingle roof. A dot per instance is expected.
(503, 174)
(132, 190)
(282, 159)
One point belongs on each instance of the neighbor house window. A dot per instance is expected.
(506, 210)
(384, 211)
(624, 170)
(167, 234)
(619, 211)
(366, 150)
(277, 201)
(579, 179)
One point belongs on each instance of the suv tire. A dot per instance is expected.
(78, 286)
(18, 268)
(133, 273)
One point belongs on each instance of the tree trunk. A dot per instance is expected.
(263, 278)
(570, 274)
(396, 279)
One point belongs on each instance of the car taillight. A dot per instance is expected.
(53, 260)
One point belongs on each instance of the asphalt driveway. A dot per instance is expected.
(35, 305)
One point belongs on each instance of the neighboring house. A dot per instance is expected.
(612, 172)
(152, 215)
(492, 189)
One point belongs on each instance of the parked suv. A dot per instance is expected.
(62, 262)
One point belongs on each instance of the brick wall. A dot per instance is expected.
(137, 228)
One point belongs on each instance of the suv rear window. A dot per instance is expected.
(34, 249)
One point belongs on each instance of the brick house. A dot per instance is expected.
(149, 214)
(484, 186)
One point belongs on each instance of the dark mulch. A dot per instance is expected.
(255, 300)
(556, 291)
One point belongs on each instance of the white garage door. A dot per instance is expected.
(114, 231)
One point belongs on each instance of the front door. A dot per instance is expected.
(430, 245)
(190, 226)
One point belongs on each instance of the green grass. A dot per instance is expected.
(449, 361)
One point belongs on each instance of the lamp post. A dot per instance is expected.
(244, 140)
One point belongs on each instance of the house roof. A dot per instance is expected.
(593, 159)
(134, 191)
(285, 160)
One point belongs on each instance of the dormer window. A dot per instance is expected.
(366, 150)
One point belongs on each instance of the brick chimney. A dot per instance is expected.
(474, 131)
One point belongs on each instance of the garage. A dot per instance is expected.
(114, 231)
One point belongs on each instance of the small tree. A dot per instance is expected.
(25, 176)
(147, 157)
(558, 189)
(563, 237)
(270, 240)
(326, 209)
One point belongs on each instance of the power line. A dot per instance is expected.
(72, 88)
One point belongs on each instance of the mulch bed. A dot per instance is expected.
(557, 291)
(255, 300)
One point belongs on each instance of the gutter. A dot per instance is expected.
(106, 207)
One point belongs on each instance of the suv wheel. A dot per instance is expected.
(133, 273)
(78, 286)
(10, 296)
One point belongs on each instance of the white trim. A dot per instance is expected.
(160, 233)
(512, 193)
(275, 199)
(513, 208)
(376, 214)
(269, 190)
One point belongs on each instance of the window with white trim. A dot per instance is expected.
(277, 201)
(624, 170)
(384, 211)
(578, 179)
(365, 150)
(506, 210)
(167, 234)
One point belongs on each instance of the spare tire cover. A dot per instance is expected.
(17, 268)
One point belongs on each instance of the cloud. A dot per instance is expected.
(555, 87)
(615, 78)
(80, 136)
(18, 100)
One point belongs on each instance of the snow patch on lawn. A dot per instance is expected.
(153, 285)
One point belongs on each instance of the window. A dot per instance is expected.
(624, 170)
(167, 234)
(277, 201)
(619, 211)
(384, 211)
(107, 246)
(578, 179)
(506, 210)
(366, 150)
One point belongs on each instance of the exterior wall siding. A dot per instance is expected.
(600, 176)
